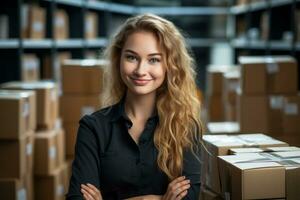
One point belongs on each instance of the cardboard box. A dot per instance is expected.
(91, 25)
(230, 112)
(46, 152)
(236, 151)
(47, 100)
(214, 75)
(231, 83)
(291, 115)
(12, 189)
(291, 139)
(215, 112)
(13, 158)
(264, 26)
(71, 135)
(30, 67)
(61, 24)
(28, 183)
(54, 185)
(61, 148)
(269, 73)
(221, 128)
(33, 22)
(243, 179)
(87, 74)
(18, 113)
(256, 168)
(260, 114)
(74, 107)
(219, 145)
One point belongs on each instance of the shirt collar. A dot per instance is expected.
(119, 112)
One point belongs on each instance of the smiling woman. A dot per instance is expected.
(145, 142)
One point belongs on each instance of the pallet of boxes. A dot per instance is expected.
(49, 178)
(244, 164)
(81, 87)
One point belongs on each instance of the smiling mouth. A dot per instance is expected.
(140, 82)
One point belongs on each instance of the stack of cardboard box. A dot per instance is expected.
(30, 69)
(61, 24)
(219, 145)
(91, 25)
(268, 99)
(214, 92)
(18, 122)
(231, 81)
(33, 22)
(270, 173)
(50, 168)
(82, 87)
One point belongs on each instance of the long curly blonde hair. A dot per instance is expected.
(177, 104)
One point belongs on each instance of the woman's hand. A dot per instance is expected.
(177, 189)
(90, 192)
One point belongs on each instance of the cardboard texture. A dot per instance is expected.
(30, 67)
(71, 135)
(291, 115)
(91, 25)
(215, 112)
(47, 100)
(46, 153)
(260, 176)
(61, 24)
(260, 114)
(54, 185)
(87, 74)
(73, 107)
(13, 158)
(12, 189)
(33, 22)
(218, 145)
(269, 73)
(18, 113)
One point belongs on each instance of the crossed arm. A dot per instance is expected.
(177, 189)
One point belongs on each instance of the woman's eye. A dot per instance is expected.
(154, 60)
(131, 58)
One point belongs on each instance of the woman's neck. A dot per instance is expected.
(140, 107)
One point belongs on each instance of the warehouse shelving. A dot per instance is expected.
(78, 45)
(281, 33)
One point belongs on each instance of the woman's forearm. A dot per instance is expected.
(146, 197)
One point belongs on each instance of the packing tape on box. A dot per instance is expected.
(291, 109)
(59, 21)
(29, 149)
(272, 66)
(25, 110)
(37, 26)
(31, 64)
(60, 190)
(53, 94)
(233, 86)
(52, 152)
(276, 102)
(21, 194)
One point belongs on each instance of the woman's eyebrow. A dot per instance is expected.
(151, 54)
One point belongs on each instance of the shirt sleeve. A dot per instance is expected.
(192, 171)
(86, 164)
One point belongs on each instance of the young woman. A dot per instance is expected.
(146, 143)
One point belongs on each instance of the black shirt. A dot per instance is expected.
(107, 157)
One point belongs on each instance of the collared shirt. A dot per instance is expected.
(107, 157)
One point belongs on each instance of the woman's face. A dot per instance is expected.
(141, 67)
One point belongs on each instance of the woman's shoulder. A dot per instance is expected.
(102, 115)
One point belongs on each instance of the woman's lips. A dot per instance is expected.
(140, 82)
